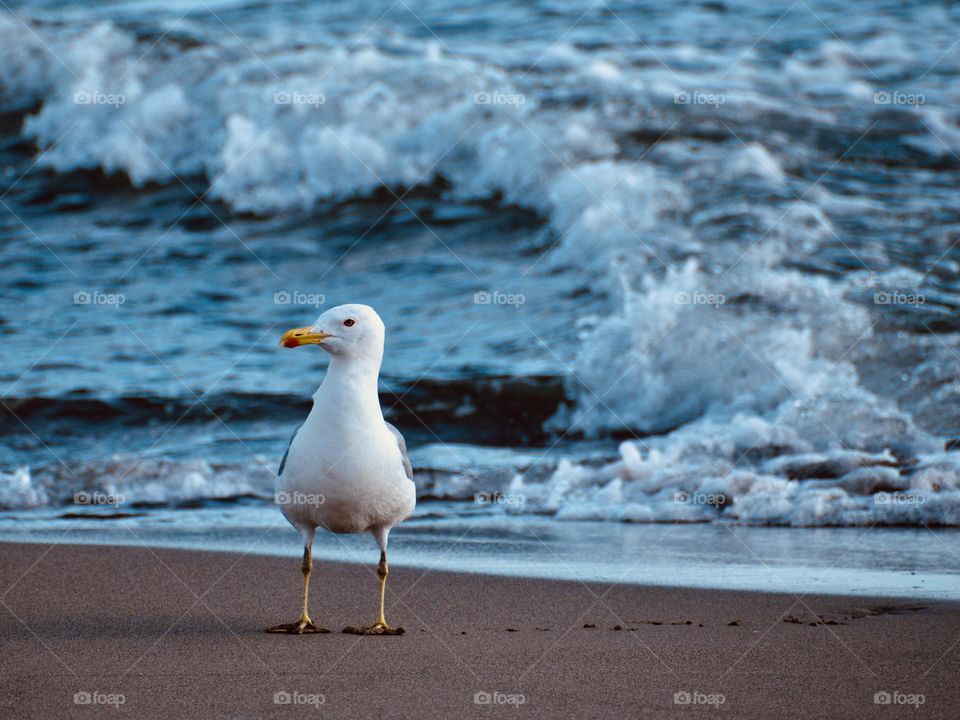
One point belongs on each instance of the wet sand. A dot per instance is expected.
(162, 633)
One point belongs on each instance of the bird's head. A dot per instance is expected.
(348, 331)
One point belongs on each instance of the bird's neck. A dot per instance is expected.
(350, 386)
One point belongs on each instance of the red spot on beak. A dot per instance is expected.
(291, 343)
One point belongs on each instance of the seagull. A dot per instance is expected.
(346, 469)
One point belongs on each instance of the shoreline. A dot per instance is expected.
(177, 631)
(448, 568)
(852, 562)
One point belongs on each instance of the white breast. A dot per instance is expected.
(344, 472)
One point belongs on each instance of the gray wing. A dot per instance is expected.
(283, 460)
(403, 449)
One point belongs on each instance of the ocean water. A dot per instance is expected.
(639, 262)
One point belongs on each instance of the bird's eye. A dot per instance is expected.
(349, 322)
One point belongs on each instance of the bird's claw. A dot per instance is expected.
(375, 629)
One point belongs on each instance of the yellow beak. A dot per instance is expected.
(302, 336)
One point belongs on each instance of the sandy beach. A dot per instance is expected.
(88, 630)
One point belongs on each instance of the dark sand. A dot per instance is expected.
(180, 634)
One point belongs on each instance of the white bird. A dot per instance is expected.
(346, 469)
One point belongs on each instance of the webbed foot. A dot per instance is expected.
(304, 626)
(375, 629)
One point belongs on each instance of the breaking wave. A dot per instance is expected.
(744, 361)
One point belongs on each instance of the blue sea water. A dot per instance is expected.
(688, 264)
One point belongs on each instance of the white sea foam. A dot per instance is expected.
(285, 128)
(773, 425)
(124, 481)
